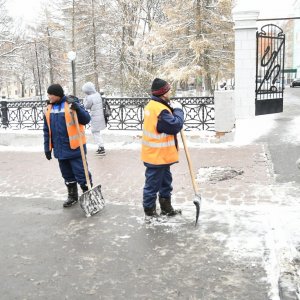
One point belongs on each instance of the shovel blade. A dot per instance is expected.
(92, 201)
(197, 202)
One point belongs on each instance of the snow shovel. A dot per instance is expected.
(197, 199)
(92, 200)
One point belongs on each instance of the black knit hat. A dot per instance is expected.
(56, 90)
(159, 87)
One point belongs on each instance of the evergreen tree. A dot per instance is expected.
(195, 42)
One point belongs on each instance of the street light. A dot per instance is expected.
(38, 72)
(71, 56)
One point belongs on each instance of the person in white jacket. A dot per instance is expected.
(94, 103)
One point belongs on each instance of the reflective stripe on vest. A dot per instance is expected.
(157, 148)
(70, 124)
(153, 135)
(47, 115)
(158, 137)
(159, 145)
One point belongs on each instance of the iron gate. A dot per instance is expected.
(270, 47)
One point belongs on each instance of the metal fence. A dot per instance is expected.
(127, 113)
(270, 53)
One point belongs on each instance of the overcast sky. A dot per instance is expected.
(267, 8)
(29, 9)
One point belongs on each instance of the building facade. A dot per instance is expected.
(296, 54)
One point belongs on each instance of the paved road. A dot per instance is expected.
(284, 146)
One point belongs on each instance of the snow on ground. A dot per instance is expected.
(246, 132)
(292, 133)
(268, 231)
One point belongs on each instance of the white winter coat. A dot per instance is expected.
(93, 102)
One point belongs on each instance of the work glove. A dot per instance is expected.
(48, 155)
(73, 101)
(176, 104)
(75, 106)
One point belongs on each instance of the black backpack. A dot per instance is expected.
(106, 109)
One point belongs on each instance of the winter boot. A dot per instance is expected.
(101, 151)
(72, 194)
(166, 207)
(150, 212)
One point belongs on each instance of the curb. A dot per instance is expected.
(29, 138)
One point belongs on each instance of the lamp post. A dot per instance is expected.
(71, 57)
(38, 72)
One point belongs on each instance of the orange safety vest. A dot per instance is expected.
(71, 127)
(157, 148)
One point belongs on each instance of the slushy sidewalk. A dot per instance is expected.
(48, 252)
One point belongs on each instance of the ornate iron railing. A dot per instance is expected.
(127, 113)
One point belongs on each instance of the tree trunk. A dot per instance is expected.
(204, 61)
(207, 78)
(122, 58)
(50, 57)
(23, 89)
(96, 79)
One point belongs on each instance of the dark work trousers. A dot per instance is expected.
(72, 170)
(158, 180)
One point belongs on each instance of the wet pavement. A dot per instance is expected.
(245, 247)
(48, 252)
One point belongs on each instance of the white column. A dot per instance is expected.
(245, 62)
(224, 111)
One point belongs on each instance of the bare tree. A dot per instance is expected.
(122, 44)
(135, 61)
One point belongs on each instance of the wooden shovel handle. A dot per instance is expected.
(86, 172)
(188, 158)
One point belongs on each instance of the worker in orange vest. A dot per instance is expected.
(61, 136)
(162, 121)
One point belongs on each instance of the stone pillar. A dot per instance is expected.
(245, 62)
(224, 112)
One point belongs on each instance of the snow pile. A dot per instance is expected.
(215, 174)
(249, 130)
